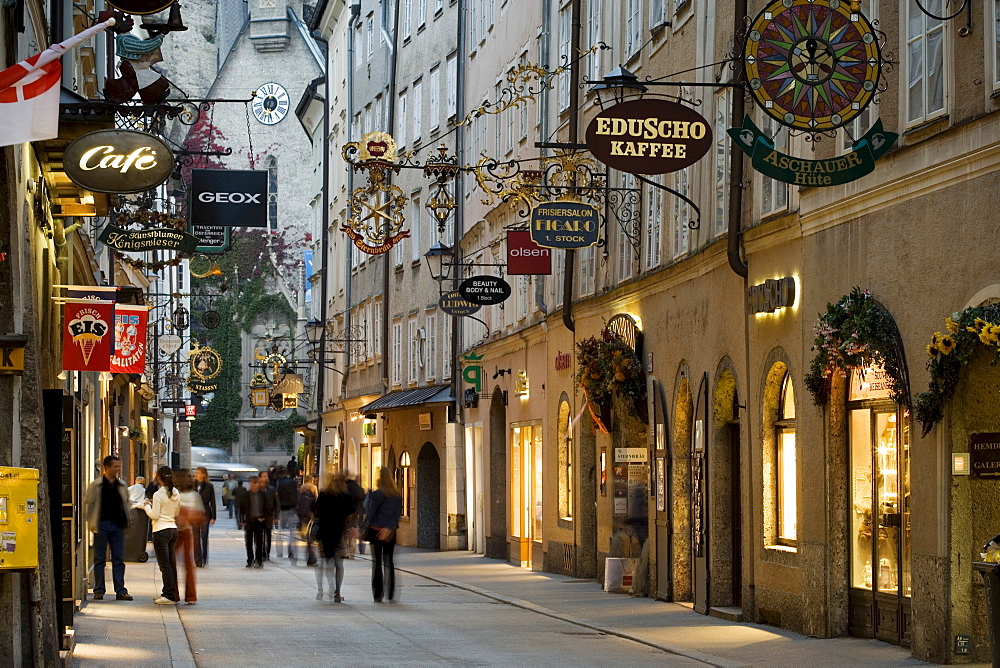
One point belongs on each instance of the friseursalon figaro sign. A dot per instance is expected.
(118, 161)
(649, 136)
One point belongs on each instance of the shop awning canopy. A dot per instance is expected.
(432, 394)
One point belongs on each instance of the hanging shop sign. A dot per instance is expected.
(813, 66)
(87, 336)
(984, 452)
(118, 161)
(12, 354)
(472, 371)
(455, 304)
(169, 343)
(211, 238)
(130, 339)
(649, 136)
(205, 367)
(771, 295)
(565, 224)
(485, 290)
(801, 172)
(141, 6)
(137, 241)
(229, 197)
(289, 383)
(376, 221)
(631, 454)
(524, 256)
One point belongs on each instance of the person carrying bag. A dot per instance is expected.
(385, 507)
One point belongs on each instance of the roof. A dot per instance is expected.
(432, 394)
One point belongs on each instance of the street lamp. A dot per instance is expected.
(439, 260)
(616, 85)
(314, 331)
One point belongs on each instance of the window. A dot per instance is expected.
(370, 36)
(656, 13)
(625, 247)
(438, 6)
(786, 479)
(378, 123)
(446, 348)
(368, 118)
(681, 214)
(565, 437)
(414, 356)
(993, 37)
(358, 52)
(925, 62)
(376, 328)
(451, 86)
(585, 258)
(722, 102)
(407, 18)
(565, 32)
(509, 121)
(523, 285)
(416, 220)
(397, 353)
(594, 67)
(431, 348)
(421, 13)
(433, 97)
(774, 194)
(523, 110)
(632, 26)
(272, 193)
(397, 255)
(653, 243)
(403, 120)
(418, 108)
(473, 24)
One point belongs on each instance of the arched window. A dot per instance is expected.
(272, 193)
(565, 463)
(784, 442)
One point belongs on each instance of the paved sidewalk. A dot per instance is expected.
(242, 614)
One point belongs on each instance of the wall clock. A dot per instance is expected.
(270, 103)
(813, 65)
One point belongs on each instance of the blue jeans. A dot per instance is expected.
(109, 533)
(289, 524)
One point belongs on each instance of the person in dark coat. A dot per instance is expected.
(257, 509)
(334, 510)
(205, 488)
(266, 486)
(238, 493)
(358, 494)
(385, 507)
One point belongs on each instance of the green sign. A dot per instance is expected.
(137, 241)
(211, 238)
(801, 172)
(472, 373)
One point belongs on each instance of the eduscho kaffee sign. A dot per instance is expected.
(118, 161)
(649, 136)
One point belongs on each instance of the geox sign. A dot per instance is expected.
(229, 198)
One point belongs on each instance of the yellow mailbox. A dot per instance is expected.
(18, 518)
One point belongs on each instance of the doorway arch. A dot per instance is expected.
(428, 497)
(496, 542)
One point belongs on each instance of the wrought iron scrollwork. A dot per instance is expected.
(625, 204)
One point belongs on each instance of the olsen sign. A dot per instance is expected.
(524, 256)
(649, 137)
(118, 161)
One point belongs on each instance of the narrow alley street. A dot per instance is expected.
(454, 608)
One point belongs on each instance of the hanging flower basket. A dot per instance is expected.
(967, 332)
(857, 331)
(608, 366)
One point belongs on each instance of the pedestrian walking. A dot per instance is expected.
(190, 519)
(206, 490)
(264, 483)
(163, 509)
(334, 509)
(137, 492)
(358, 494)
(238, 493)
(288, 500)
(228, 483)
(306, 510)
(106, 506)
(255, 508)
(385, 506)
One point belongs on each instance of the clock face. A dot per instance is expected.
(812, 65)
(270, 103)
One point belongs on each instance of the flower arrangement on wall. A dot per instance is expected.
(607, 366)
(948, 353)
(857, 331)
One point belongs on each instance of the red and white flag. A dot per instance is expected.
(29, 92)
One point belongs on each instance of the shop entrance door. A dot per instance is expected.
(879, 516)
(526, 494)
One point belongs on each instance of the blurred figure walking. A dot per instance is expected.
(206, 490)
(255, 508)
(239, 491)
(190, 520)
(288, 500)
(385, 506)
(359, 496)
(163, 509)
(265, 486)
(306, 510)
(334, 509)
(227, 492)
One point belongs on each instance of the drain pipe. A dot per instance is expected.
(737, 111)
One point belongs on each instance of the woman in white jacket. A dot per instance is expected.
(163, 509)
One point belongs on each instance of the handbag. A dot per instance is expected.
(381, 534)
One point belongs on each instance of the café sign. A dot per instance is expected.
(118, 161)
(564, 224)
(137, 241)
(649, 136)
(484, 290)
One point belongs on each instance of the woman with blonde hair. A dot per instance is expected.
(334, 508)
(385, 506)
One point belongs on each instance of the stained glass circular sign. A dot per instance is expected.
(812, 64)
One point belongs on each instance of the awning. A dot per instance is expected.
(432, 394)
